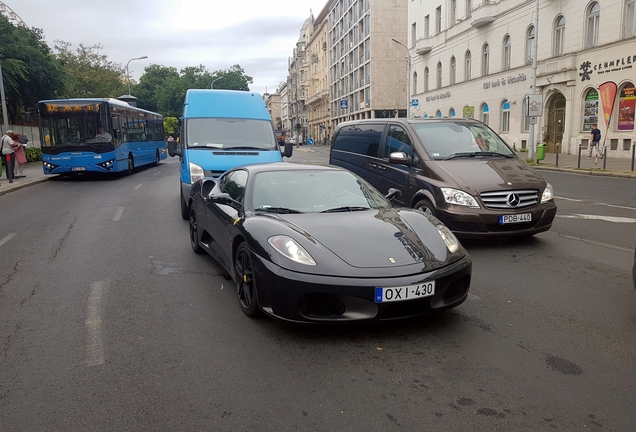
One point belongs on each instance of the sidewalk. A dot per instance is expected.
(34, 174)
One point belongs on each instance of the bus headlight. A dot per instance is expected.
(196, 172)
(108, 165)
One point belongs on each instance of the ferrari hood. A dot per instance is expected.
(375, 238)
(476, 176)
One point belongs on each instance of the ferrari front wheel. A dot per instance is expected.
(246, 281)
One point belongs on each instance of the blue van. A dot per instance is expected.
(221, 129)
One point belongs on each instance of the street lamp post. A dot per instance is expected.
(213, 81)
(408, 78)
(128, 70)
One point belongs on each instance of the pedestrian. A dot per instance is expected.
(20, 157)
(595, 137)
(8, 152)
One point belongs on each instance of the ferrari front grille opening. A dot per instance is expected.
(321, 305)
(457, 289)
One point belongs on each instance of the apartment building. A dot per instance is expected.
(367, 58)
(297, 82)
(317, 102)
(475, 59)
(273, 104)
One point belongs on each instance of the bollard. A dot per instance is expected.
(578, 163)
(633, 149)
(558, 150)
(604, 157)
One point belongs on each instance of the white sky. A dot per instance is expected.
(258, 35)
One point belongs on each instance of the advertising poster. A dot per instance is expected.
(608, 96)
(590, 110)
(626, 105)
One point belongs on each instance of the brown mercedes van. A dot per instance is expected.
(459, 170)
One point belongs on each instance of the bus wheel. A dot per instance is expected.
(131, 165)
(157, 158)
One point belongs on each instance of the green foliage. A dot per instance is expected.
(171, 126)
(33, 154)
(89, 73)
(30, 70)
(162, 89)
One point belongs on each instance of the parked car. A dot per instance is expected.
(315, 244)
(458, 170)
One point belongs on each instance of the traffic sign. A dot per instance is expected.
(535, 105)
(344, 103)
(415, 102)
(310, 141)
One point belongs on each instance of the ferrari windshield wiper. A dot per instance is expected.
(345, 209)
(281, 210)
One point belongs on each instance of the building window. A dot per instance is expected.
(505, 117)
(452, 70)
(506, 53)
(484, 114)
(626, 107)
(485, 59)
(427, 26)
(559, 29)
(439, 74)
(438, 113)
(425, 79)
(414, 90)
(529, 44)
(590, 109)
(438, 19)
(591, 29)
(451, 112)
(630, 18)
(453, 12)
(413, 34)
(467, 66)
(469, 8)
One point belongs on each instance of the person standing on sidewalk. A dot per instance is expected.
(8, 152)
(595, 136)
(20, 157)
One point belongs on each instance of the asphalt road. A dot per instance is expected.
(108, 321)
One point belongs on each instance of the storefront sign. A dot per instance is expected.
(504, 81)
(588, 68)
(438, 96)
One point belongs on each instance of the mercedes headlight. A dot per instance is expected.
(196, 172)
(548, 194)
(289, 248)
(458, 197)
(449, 238)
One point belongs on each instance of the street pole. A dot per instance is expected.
(5, 117)
(213, 81)
(408, 78)
(535, 45)
(128, 70)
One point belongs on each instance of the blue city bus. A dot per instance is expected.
(98, 136)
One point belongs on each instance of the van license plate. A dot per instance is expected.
(507, 219)
(411, 292)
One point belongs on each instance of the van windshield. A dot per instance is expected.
(214, 133)
(447, 140)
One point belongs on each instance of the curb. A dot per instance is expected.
(22, 185)
(593, 171)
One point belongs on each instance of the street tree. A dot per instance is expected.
(89, 72)
(30, 70)
(152, 84)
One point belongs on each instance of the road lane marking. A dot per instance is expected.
(598, 203)
(138, 186)
(157, 173)
(95, 342)
(7, 238)
(615, 219)
(118, 213)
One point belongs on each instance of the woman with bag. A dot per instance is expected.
(20, 157)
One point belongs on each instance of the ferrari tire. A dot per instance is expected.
(194, 233)
(246, 281)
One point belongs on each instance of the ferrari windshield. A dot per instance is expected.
(313, 191)
(221, 133)
(450, 140)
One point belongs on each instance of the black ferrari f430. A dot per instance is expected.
(316, 244)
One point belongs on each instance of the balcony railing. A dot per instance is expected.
(423, 45)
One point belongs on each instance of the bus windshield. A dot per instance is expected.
(74, 129)
(221, 133)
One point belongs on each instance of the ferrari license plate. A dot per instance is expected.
(411, 292)
(78, 169)
(506, 219)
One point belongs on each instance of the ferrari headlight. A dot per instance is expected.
(548, 194)
(196, 172)
(458, 197)
(289, 248)
(449, 238)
